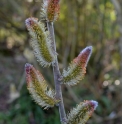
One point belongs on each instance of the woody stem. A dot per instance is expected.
(57, 75)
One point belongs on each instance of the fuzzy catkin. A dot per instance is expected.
(77, 68)
(38, 88)
(50, 10)
(82, 112)
(40, 42)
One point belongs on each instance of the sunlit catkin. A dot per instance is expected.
(37, 87)
(40, 42)
(82, 112)
(77, 68)
(50, 10)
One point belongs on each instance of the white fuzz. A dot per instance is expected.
(43, 10)
(82, 112)
(74, 80)
(38, 99)
(73, 116)
(38, 88)
(45, 99)
(41, 42)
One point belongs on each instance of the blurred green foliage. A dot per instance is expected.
(81, 23)
(24, 110)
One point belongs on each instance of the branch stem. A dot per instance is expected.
(57, 75)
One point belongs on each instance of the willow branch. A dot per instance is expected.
(57, 76)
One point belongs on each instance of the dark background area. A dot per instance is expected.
(81, 23)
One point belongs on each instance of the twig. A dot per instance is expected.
(57, 76)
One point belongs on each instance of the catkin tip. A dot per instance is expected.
(27, 68)
(30, 21)
(89, 47)
(94, 104)
(27, 65)
(87, 50)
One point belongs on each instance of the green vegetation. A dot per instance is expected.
(81, 23)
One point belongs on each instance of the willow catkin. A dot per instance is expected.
(77, 67)
(82, 112)
(40, 42)
(38, 88)
(50, 10)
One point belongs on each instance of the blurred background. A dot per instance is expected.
(81, 23)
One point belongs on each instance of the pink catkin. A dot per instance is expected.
(31, 73)
(53, 9)
(91, 106)
(30, 22)
(83, 57)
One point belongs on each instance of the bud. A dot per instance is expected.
(40, 42)
(50, 10)
(82, 112)
(77, 68)
(37, 87)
